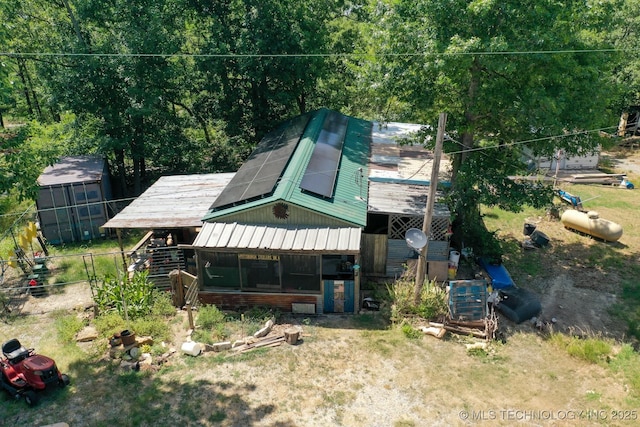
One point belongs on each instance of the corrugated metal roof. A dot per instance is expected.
(218, 235)
(406, 199)
(348, 201)
(73, 170)
(393, 162)
(172, 201)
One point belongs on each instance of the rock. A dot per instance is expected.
(220, 346)
(144, 340)
(89, 333)
(264, 331)
(238, 343)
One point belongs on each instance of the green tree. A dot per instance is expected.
(625, 35)
(504, 71)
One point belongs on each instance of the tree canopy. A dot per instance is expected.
(184, 86)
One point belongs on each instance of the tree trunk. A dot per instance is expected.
(470, 118)
(137, 152)
(25, 87)
(1, 120)
(74, 22)
(198, 119)
(120, 167)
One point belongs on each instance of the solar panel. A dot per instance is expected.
(322, 169)
(258, 176)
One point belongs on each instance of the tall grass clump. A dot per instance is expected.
(590, 349)
(431, 304)
(210, 325)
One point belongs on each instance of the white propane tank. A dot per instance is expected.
(591, 223)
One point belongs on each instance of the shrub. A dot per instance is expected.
(209, 316)
(162, 304)
(151, 326)
(432, 303)
(109, 323)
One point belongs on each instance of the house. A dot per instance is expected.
(300, 223)
(321, 205)
(561, 162)
(72, 200)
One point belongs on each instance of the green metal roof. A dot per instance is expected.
(349, 200)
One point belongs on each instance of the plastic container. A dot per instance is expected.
(454, 258)
(191, 348)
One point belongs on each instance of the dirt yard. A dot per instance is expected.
(354, 371)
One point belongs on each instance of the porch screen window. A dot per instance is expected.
(300, 273)
(260, 273)
(220, 270)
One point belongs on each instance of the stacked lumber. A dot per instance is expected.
(254, 343)
(597, 178)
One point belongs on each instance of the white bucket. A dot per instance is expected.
(191, 348)
(454, 258)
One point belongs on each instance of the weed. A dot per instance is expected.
(67, 325)
(432, 302)
(410, 332)
(590, 349)
(209, 316)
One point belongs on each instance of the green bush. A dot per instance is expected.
(210, 324)
(152, 326)
(432, 303)
(109, 323)
(209, 316)
(162, 305)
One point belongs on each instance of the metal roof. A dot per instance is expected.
(218, 235)
(392, 162)
(348, 201)
(405, 199)
(172, 201)
(73, 170)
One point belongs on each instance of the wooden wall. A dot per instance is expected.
(241, 300)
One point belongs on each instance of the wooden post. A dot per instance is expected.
(180, 290)
(190, 314)
(124, 260)
(426, 225)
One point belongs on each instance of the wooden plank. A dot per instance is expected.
(238, 300)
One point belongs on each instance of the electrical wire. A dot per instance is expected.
(316, 55)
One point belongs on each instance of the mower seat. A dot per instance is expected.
(14, 351)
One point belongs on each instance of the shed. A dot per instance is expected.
(73, 199)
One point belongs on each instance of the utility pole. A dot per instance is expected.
(428, 213)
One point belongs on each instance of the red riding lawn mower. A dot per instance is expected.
(24, 372)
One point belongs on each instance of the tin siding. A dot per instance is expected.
(296, 215)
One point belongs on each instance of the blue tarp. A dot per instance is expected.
(499, 275)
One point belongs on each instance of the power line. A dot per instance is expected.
(314, 55)
(545, 138)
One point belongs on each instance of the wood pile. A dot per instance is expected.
(485, 328)
(265, 342)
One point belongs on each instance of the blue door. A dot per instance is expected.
(339, 296)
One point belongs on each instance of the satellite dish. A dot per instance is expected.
(415, 238)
